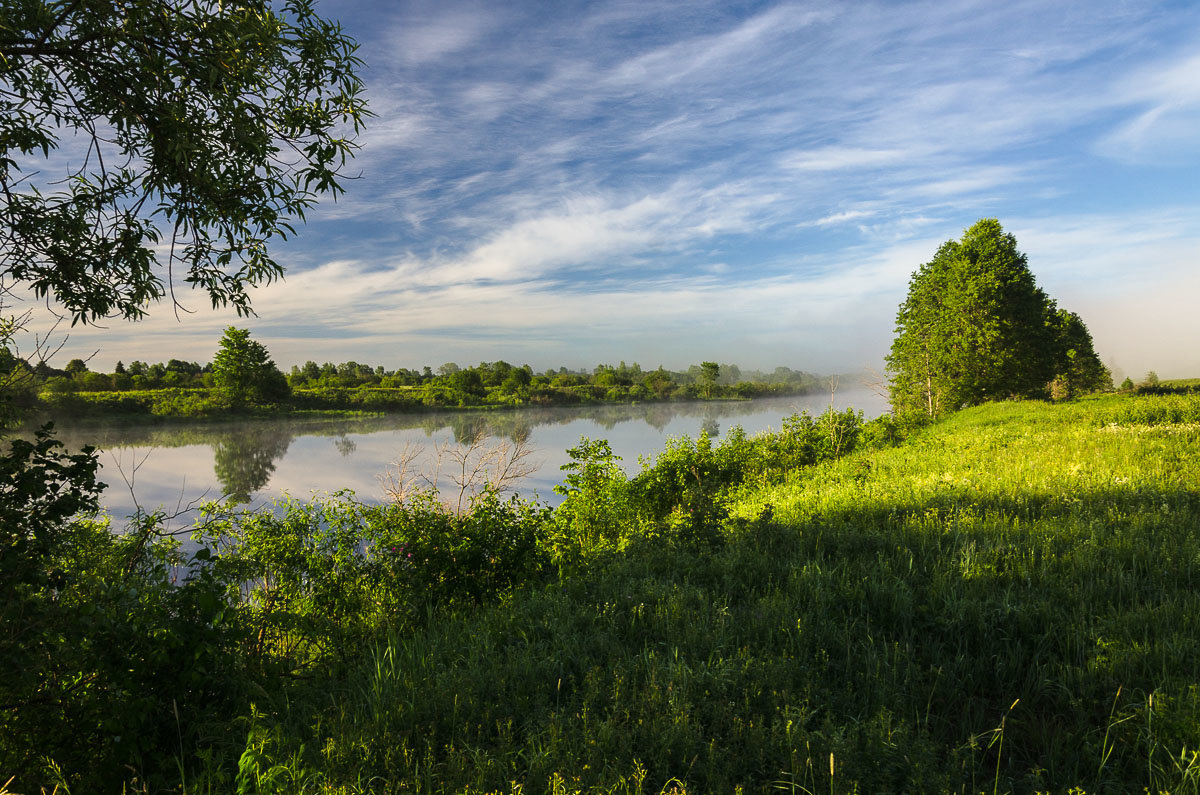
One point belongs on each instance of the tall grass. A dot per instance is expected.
(1007, 602)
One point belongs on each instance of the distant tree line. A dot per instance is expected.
(243, 375)
(485, 377)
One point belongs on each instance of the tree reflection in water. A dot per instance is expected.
(248, 456)
(345, 445)
(245, 459)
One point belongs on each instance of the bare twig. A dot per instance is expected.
(475, 466)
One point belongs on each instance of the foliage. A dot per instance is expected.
(101, 644)
(205, 129)
(41, 489)
(471, 557)
(1174, 386)
(681, 495)
(595, 511)
(709, 371)
(244, 372)
(1080, 369)
(976, 327)
(318, 576)
(18, 383)
(186, 389)
(1004, 602)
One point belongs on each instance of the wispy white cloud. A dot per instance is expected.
(438, 33)
(834, 158)
(842, 217)
(1165, 97)
(648, 180)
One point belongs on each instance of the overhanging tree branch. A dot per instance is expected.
(196, 100)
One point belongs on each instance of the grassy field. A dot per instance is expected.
(1007, 602)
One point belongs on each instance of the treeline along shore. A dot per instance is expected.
(248, 383)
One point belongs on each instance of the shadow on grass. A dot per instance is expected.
(1019, 644)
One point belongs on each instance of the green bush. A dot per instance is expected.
(105, 651)
(596, 512)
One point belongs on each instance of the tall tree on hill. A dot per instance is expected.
(976, 327)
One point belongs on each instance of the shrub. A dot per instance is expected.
(104, 652)
(595, 510)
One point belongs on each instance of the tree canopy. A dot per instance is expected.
(245, 372)
(190, 134)
(976, 327)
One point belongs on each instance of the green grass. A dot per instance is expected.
(1007, 602)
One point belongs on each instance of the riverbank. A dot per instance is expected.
(1006, 601)
(166, 405)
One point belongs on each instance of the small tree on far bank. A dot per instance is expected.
(709, 372)
(244, 372)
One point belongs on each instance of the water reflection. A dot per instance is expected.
(244, 460)
(257, 460)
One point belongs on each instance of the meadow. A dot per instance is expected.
(1005, 601)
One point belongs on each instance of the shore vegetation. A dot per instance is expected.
(243, 380)
(1004, 601)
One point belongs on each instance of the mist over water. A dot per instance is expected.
(254, 462)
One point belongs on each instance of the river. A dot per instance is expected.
(176, 466)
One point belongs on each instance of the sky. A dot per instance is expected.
(569, 183)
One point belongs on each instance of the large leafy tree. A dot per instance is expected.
(245, 373)
(141, 138)
(976, 327)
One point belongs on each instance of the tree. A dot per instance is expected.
(1079, 368)
(202, 129)
(244, 372)
(976, 327)
(659, 382)
(709, 371)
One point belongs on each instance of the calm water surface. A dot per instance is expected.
(255, 462)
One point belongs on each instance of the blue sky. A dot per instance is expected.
(569, 183)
